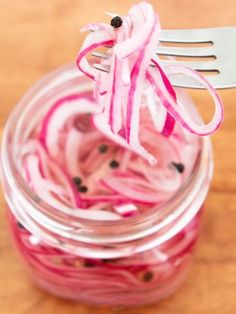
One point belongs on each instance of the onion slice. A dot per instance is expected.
(120, 92)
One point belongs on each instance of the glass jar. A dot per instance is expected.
(133, 261)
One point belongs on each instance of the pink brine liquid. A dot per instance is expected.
(139, 279)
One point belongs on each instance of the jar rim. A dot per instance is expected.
(169, 209)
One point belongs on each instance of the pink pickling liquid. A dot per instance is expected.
(136, 280)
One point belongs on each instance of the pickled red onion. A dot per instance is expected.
(134, 47)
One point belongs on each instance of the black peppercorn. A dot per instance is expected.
(116, 22)
(105, 261)
(178, 166)
(83, 189)
(20, 226)
(77, 181)
(88, 264)
(114, 164)
(103, 148)
(148, 276)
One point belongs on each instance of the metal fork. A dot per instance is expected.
(221, 49)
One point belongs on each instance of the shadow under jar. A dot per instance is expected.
(128, 262)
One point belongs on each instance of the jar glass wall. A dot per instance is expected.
(99, 262)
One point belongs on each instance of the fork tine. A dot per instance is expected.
(102, 67)
(198, 66)
(200, 35)
(185, 51)
(102, 55)
(171, 51)
(186, 35)
(181, 80)
(178, 80)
